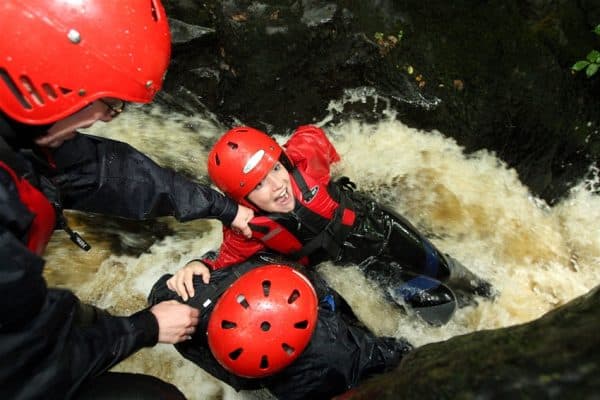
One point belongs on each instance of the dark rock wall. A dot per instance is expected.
(554, 357)
(493, 75)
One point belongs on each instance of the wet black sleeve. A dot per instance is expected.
(110, 177)
(22, 289)
(46, 335)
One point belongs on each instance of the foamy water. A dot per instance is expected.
(472, 206)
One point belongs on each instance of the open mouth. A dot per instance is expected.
(283, 196)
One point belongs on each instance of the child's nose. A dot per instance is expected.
(274, 181)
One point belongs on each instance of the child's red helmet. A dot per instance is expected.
(263, 321)
(59, 56)
(240, 159)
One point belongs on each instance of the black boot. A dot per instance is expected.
(463, 279)
(431, 300)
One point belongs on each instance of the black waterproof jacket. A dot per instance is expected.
(50, 343)
(342, 352)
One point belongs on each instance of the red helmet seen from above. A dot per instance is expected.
(240, 160)
(263, 321)
(57, 56)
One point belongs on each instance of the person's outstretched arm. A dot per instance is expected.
(109, 177)
(50, 337)
(234, 249)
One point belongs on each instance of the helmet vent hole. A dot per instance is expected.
(288, 349)
(26, 83)
(294, 296)
(234, 355)
(266, 285)
(217, 160)
(265, 326)
(241, 299)
(228, 324)
(13, 88)
(232, 145)
(154, 10)
(301, 324)
(264, 362)
(49, 91)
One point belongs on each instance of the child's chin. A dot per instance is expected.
(282, 208)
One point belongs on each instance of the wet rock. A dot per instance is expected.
(554, 357)
(491, 75)
(184, 33)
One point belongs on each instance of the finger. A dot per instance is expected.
(205, 276)
(195, 318)
(179, 339)
(184, 285)
(194, 314)
(174, 281)
(50, 140)
(187, 290)
(44, 140)
(188, 282)
(181, 289)
(247, 232)
(170, 285)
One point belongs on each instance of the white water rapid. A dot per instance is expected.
(473, 207)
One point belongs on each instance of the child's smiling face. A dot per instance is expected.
(274, 192)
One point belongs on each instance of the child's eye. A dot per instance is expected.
(277, 167)
(258, 186)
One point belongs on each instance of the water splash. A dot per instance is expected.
(473, 207)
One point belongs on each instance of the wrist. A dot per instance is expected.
(146, 323)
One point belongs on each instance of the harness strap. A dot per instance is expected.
(332, 237)
(307, 194)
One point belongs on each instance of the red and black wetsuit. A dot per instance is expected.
(50, 343)
(331, 222)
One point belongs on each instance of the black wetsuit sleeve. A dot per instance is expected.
(48, 336)
(110, 177)
(21, 271)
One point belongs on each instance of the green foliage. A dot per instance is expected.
(387, 43)
(591, 64)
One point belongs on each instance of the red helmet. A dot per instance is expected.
(263, 321)
(59, 56)
(240, 159)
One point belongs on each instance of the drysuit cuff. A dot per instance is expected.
(146, 324)
(230, 210)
